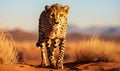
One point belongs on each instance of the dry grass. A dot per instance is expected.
(95, 50)
(8, 54)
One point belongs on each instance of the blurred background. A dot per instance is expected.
(85, 16)
(91, 23)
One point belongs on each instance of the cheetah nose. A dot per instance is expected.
(56, 22)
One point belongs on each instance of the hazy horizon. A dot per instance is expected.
(24, 14)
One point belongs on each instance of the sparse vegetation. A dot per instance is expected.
(84, 50)
(95, 50)
(8, 54)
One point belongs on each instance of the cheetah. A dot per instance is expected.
(52, 34)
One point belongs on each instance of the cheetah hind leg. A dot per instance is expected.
(59, 63)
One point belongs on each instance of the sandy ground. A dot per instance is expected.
(71, 66)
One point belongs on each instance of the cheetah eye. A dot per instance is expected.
(52, 15)
(61, 15)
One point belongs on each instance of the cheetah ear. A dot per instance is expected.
(47, 7)
(66, 8)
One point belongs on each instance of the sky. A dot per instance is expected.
(24, 14)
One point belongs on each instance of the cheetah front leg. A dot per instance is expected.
(50, 50)
(61, 53)
(43, 55)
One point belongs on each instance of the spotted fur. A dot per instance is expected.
(52, 33)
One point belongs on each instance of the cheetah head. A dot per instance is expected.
(57, 13)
